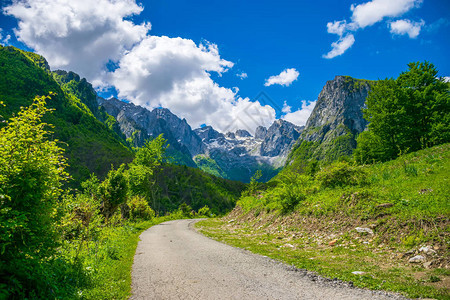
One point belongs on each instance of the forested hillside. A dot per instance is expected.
(90, 146)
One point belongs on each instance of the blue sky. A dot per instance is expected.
(196, 75)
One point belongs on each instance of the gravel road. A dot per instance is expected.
(173, 261)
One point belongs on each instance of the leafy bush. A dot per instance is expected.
(291, 190)
(341, 174)
(139, 209)
(205, 211)
(185, 210)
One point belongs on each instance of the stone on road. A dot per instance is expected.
(173, 261)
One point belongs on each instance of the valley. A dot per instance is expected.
(358, 196)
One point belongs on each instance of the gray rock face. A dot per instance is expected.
(239, 154)
(140, 123)
(279, 138)
(208, 133)
(339, 103)
(260, 132)
(230, 135)
(336, 119)
(242, 133)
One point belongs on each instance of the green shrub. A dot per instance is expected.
(113, 191)
(204, 211)
(341, 174)
(139, 209)
(185, 210)
(291, 190)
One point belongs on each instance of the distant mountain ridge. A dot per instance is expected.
(233, 155)
(330, 133)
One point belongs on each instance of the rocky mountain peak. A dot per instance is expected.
(230, 135)
(336, 119)
(207, 133)
(279, 138)
(340, 102)
(260, 132)
(242, 133)
(139, 123)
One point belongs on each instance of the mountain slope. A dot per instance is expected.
(90, 146)
(335, 122)
(138, 124)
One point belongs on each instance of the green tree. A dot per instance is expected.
(371, 148)
(254, 183)
(409, 113)
(31, 174)
(113, 191)
(152, 154)
(140, 175)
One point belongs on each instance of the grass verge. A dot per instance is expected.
(382, 268)
(107, 261)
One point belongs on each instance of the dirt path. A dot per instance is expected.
(173, 261)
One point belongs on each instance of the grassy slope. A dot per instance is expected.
(417, 188)
(90, 145)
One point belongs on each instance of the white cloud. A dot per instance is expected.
(84, 36)
(340, 46)
(242, 75)
(174, 73)
(300, 116)
(367, 14)
(446, 78)
(337, 27)
(402, 27)
(286, 108)
(80, 36)
(4, 40)
(285, 78)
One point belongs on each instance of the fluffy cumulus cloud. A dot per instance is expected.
(82, 36)
(88, 36)
(285, 78)
(446, 78)
(175, 73)
(300, 116)
(369, 13)
(402, 27)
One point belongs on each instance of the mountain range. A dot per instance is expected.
(233, 155)
(330, 133)
(106, 124)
